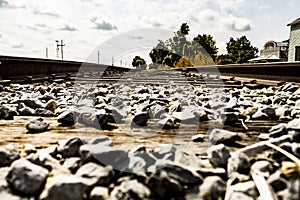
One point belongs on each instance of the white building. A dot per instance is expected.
(294, 42)
(273, 52)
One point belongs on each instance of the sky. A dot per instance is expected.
(28, 27)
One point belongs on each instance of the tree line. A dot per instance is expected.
(201, 50)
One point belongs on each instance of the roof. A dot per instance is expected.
(266, 58)
(282, 44)
(273, 57)
(278, 44)
(297, 21)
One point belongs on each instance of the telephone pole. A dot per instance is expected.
(98, 57)
(112, 61)
(46, 52)
(57, 48)
(62, 53)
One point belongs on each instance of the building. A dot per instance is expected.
(294, 44)
(273, 52)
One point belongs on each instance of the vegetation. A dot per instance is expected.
(240, 50)
(223, 59)
(178, 52)
(139, 62)
(208, 43)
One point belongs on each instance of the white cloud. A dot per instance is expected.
(40, 11)
(135, 37)
(12, 4)
(69, 28)
(208, 14)
(233, 23)
(41, 25)
(228, 6)
(18, 46)
(263, 6)
(3, 4)
(101, 23)
(105, 26)
(95, 21)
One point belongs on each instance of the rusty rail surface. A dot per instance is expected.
(20, 67)
(279, 71)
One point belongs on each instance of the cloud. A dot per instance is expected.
(106, 26)
(228, 6)
(41, 25)
(3, 4)
(18, 46)
(6, 4)
(263, 6)
(135, 37)
(31, 28)
(94, 19)
(47, 13)
(194, 18)
(233, 23)
(155, 21)
(156, 24)
(69, 28)
(209, 15)
(102, 24)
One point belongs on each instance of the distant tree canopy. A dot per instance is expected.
(224, 59)
(208, 43)
(239, 51)
(184, 29)
(179, 52)
(139, 62)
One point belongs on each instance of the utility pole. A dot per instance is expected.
(57, 49)
(112, 61)
(98, 57)
(62, 53)
(46, 52)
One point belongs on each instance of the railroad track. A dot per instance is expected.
(134, 79)
(126, 137)
(278, 71)
(188, 76)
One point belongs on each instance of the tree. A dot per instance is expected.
(240, 50)
(179, 44)
(223, 59)
(208, 43)
(184, 29)
(158, 55)
(172, 51)
(139, 62)
(169, 52)
(171, 59)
